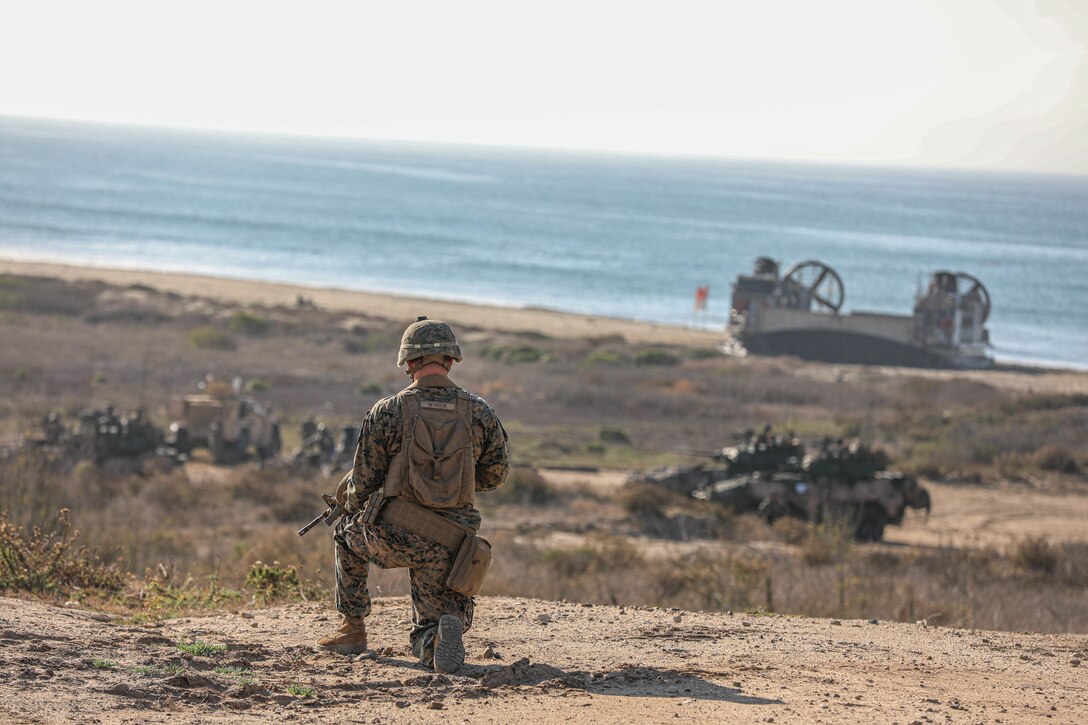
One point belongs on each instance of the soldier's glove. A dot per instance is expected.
(342, 491)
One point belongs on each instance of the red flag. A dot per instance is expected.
(701, 293)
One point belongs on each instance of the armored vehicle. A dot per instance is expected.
(99, 435)
(756, 452)
(232, 426)
(800, 313)
(839, 483)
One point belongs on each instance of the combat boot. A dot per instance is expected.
(349, 639)
(449, 650)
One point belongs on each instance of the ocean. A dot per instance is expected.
(601, 234)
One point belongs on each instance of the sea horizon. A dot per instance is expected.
(594, 233)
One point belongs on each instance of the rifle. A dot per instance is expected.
(332, 513)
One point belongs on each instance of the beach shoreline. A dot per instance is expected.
(475, 315)
(553, 323)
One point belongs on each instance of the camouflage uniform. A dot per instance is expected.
(391, 546)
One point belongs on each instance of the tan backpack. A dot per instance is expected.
(435, 466)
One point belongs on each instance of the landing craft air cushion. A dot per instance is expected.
(798, 313)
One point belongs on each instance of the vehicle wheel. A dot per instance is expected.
(241, 446)
(216, 444)
(871, 525)
(275, 441)
(179, 439)
(770, 511)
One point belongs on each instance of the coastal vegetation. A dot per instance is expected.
(156, 540)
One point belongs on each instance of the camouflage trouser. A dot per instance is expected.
(391, 547)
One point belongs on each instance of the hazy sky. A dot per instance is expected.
(979, 83)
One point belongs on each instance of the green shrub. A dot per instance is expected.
(210, 338)
(10, 300)
(246, 323)
(301, 690)
(257, 385)
(513, 353)
(103, 664)
(272, 581)
(614, 436)
(655, 357)
(21, 375)
(366, 390)
(200, 648)
(608, 358)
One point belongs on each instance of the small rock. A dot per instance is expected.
(1075, 663)
(247, 615)
(836, 623)
(401, 703)
(824, 706)
(874, 620)
(436, 705)
(489, 653)
(543, 618)
(72, 604)
(368, 655)
(736, 684)
(746, 623)
(678, 619)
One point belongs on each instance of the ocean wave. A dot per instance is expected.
(419, 172)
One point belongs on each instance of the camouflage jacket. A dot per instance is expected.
(380, 440)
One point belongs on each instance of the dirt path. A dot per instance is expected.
(968, 515)
(559, 663)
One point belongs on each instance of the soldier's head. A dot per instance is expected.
(426, 343)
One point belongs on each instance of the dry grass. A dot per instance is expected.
(191, 536)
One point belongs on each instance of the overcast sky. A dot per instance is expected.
(977, 83)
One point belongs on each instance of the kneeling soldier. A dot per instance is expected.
(410, 500)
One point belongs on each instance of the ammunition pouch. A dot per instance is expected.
(471, 554)
(470, 566)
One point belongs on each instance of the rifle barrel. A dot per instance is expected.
(315, 522)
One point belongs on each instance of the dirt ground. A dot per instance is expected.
(557, 662)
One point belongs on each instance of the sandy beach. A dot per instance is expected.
(392, 307)
(553, 323)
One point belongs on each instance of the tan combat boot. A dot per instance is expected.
(349, 639)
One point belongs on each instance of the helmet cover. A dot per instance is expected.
(428, 337)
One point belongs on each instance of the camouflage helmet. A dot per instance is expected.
(428, 337)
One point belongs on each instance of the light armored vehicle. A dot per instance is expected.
(232, 426)
(755, 452)
(840, 483)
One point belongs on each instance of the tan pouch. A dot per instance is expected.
(470, 566)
